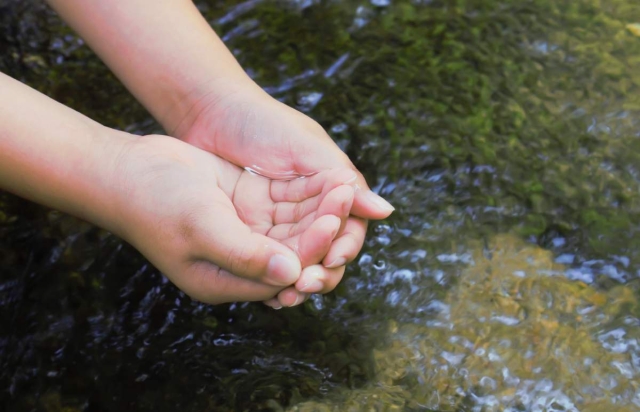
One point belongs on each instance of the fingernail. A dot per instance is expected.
(337, 262)
(351, 179)
(296, 301)
(380, 202)
(312, 287)
(282, 270)
(273, 304)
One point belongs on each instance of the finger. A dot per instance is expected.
(273, 303)
(209, 283)
(286, 231)
(337, 202)
(224, 240)
(348, 244)
(319, 279)
(367, 204)
(291, 297)
(314, 243)
(300, 189)
(294, 212)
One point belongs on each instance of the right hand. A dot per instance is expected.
(222, 234)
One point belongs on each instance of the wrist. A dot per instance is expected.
(97, 185)
(210, 96)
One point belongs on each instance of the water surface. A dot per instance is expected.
(506, 133)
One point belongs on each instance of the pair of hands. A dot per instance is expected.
(208, 225)
(221, 233)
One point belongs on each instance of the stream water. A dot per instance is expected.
(505, 132)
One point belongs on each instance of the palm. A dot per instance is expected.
(213, 227)
(303, 214)
(247, 127)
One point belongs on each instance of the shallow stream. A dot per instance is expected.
(505, 132)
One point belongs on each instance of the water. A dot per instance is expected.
(504, 132)
(286, 175)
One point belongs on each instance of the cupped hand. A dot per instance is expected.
(223, 234)
(241, 123)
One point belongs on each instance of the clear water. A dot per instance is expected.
(287, 175)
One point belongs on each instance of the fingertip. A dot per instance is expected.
(273, 303)
(314, 243)
(318, 279)
(313, 286)
(291, 297)
(369, 205)
(332, 222)
(348, 243)
(283, 269)
(338, 201)
(311, 280)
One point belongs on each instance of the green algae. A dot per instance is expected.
(473, 117)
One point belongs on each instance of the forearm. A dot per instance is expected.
(164, 51)
(55, 156)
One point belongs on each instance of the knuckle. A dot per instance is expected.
(239, 259)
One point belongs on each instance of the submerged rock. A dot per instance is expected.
(519, 335)
(634, 28)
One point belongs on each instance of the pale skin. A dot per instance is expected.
(218, 232)
(172, 61)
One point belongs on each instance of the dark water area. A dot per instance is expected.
(505, 132)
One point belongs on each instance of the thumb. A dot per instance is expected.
(228, 242)
(367, 204)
